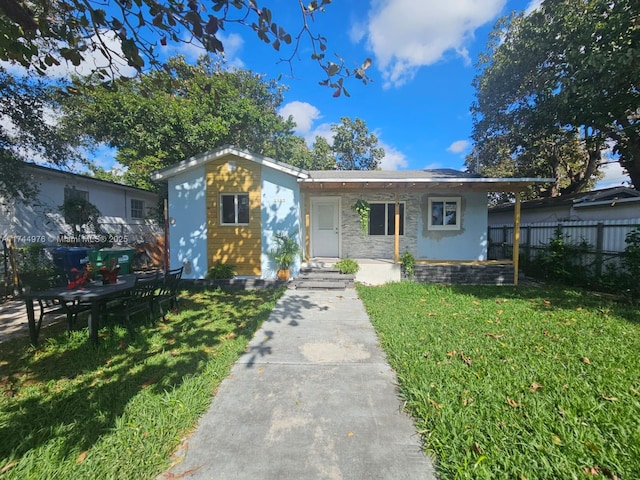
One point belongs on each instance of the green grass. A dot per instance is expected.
(69, 409)
(516, 383)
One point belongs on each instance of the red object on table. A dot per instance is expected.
(110, 275)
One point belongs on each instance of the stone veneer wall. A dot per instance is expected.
(356, 244)
(460, 274)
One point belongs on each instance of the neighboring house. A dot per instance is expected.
(225, 205)
(600, 219)
(616, 203)
(128, 214)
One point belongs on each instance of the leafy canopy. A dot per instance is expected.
(39, 34)
(555, 88)
(26, 134)
(167, 115)
(355, 148)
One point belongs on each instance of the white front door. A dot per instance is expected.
(325, 227)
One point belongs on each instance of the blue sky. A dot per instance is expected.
(424, 54)
(423, 63)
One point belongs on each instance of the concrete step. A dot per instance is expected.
(322, 279)
(323, 285)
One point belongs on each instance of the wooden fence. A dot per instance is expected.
(603, 241)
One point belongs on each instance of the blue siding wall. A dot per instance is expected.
(281, 213)
(468, 243)
(188, 223)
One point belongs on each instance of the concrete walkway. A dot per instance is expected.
(312, 398)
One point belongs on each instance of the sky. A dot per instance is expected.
(423, 56)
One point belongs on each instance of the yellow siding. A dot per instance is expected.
(238, 245)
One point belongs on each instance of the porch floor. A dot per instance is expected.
(373, 271)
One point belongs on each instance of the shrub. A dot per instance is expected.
(631, 259)
(221, 271)
(347, 266)
(563, 261)
(408, 263)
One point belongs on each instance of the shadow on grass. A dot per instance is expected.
(69, 392)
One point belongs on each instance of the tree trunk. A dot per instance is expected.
(630, 159)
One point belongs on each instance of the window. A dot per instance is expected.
(382, 218)
(234, 209)
(73, 193)
(137, 208)
(74, 207)
(444, 213)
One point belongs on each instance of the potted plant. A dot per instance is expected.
(284, 254)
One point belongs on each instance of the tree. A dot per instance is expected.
(354, 147)
(322, 157)
(27, 134)
(554, 87)
(42, 33)
(290, 149)
(165, 116)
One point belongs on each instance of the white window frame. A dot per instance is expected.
(443, 201)
(386, 218)
(235, 204)
(131, 209)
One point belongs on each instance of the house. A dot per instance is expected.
(225, 205)
(127, 214)
(614, 203)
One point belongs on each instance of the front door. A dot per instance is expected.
(325, 230)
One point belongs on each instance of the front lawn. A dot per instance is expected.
(70, 410)
(516, 383)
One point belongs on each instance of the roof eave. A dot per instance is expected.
(220, 152)
(483, 180)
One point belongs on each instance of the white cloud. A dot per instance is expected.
(459, 146)
(357, 31)
(323, 130)
(393, 159)
(614, 176)
(406, 35)
(303, 113)
(533, 5)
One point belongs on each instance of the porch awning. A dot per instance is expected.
(443, 179)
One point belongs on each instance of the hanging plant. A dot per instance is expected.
(362, 208)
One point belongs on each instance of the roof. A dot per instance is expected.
(443, 178)
(220, 152)
(605, 196)
(319, 179)
(56, 171)
(388, 175)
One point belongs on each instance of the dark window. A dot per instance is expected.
(137, 208)
(382, 219)
(234, 208)
(74, 193)
(391, 215)
(71, 215)
(377, 219)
